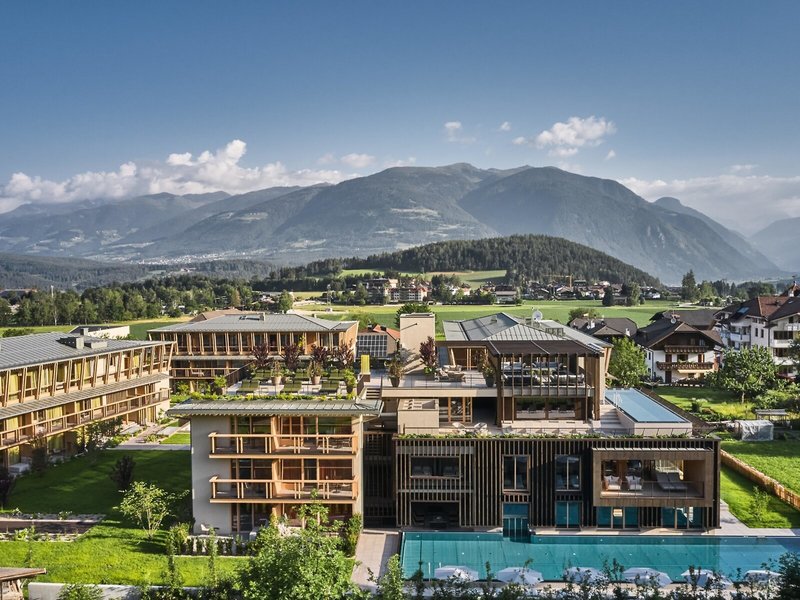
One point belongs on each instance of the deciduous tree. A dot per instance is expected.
(627, 364)
(747, 372)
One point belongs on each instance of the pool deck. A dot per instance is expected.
(375, 548)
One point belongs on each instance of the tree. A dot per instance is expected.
(5, 312)
(391, 585)
(291, 356)
(427, 354)
(794, 355)
(122, 472)
(790, 577)
(409, 308)
(7, 483)
(633, 295)
(689, 287)
(759, 503)
(608, 297)
(706, 291)
(262, 356)
(285, 302)
(343, 354)
(627, 364)
(307, 565)
(747, 372)
(147, 505)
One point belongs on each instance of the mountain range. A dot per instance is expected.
(394, 209)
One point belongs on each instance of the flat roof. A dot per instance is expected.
(641, 408)
(259, 322)
(40, 348)
(268, 406)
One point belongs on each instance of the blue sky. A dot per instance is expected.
(693, 99)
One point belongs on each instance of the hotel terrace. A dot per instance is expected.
(52, 385)
(545, 446)
(222, 342)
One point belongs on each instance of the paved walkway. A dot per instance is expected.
(139, 441)
(375, 548)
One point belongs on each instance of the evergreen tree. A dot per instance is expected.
(689, 287)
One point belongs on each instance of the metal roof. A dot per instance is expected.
(264, 406)
(41, 348)
(23, 408)
(541, 348)
(259, 322)
(502, 327)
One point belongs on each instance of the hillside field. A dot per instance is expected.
(551, 309)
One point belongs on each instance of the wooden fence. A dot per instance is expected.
(756, 476)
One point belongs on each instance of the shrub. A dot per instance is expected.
(122, 472)
(79, 591)
(352, 531)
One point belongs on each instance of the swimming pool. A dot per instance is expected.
(551, 554)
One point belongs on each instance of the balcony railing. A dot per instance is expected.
(199, 373)
(666, 485)
(227, 444)
(78, 419)
(685, 366)
(686, 349)
(225, 490)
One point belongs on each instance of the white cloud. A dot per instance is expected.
(742, 168)
(745, 202)
(357, 161)
(403, 162)
(454, 132)
(326, 159)
(504, 126)
(611, 154)
(566, 139)
(180, 173)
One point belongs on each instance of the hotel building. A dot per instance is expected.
(52, 385)
(222, 342)
(542, 445)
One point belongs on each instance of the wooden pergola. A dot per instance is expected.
(11, 581)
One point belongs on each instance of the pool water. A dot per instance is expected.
(552, 554)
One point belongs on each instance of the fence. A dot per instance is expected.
(756, 476)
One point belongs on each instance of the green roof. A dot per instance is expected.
(268, 406)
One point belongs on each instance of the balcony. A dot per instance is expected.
(224, 445)
(685, 366)
(80, 418)
(687, 349)
(261, 490)
(664, 485)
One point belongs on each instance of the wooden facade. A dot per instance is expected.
(478, 489)
(52, 401)
(207, 349)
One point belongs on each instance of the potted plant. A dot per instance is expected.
(427, 354)
(277, 373)
(349, 381)
(486, 369)
(315, 372)
(395, 369)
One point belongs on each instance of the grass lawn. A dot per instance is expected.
(778, 459)
(725, 404)
(138, 328)
(551, 309)
(180, 438)
(737, 491)
(113, 552)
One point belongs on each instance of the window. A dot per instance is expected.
(434, 467)
(617, 518)
(682, 518)
(568, 514)
(515, 473)
(568, 473)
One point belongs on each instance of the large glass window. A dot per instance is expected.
(434, 467)
(515, 473)
(568, 472)
(568, 514)
(617, 518)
